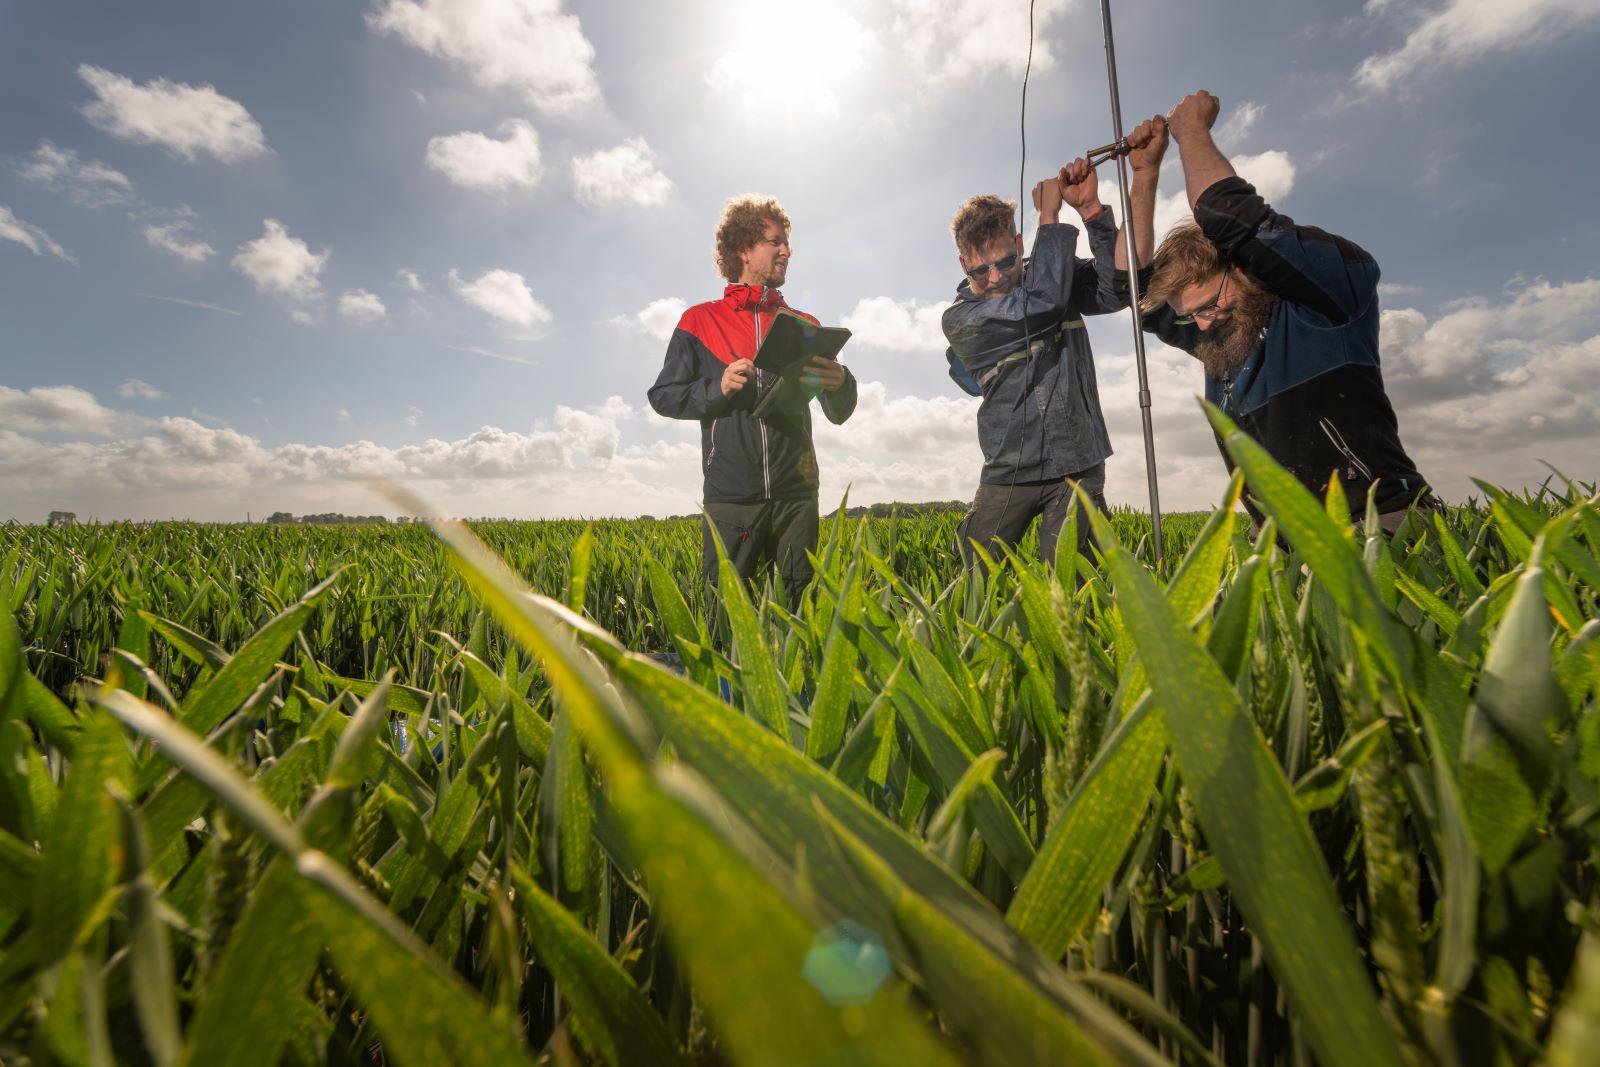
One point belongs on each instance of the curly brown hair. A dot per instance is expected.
(983, 219)
(1186, 257)
(744, 222)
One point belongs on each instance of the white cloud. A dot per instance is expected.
(29, 236)
(54, 409)
(656, 319)
(281, 264)
(175, 232)
(1189, 470)
(186, 120)
(531, 45)
(360, 306)
(957, 40)
(343, 415)
(1271, 172)
(1240, 121)
(87, 181)
(478, 161)
(625, 174)
(1456, 32)
(1397, 289)
(899, 326)
(577, 462)
(1490, 387)
(138, 389)
(410, 280)
(505, 295)
(413, 415)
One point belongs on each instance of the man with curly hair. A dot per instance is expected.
(760, 473)
(1017, 339)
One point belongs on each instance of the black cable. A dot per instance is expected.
(1027, 331)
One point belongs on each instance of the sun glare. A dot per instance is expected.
(791, 58)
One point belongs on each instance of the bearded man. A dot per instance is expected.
(760, 472)
(1284, 319)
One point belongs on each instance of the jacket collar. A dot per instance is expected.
(741, 297)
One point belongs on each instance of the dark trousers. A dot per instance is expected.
(1000, 513)
(769, 534)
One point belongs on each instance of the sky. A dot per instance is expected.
(265, 257)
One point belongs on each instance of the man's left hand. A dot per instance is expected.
(1147, 144)
(822, 374)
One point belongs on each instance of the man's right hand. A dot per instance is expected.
(1194, 114)
(1047, 200)
(735, 375)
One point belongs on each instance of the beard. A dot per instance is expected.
(1224, 347)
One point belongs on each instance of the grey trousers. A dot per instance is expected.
(1001, 513)
(766, 535)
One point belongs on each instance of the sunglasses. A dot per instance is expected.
(1003, 264)
(1209, 313)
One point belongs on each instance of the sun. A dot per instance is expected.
(789, 58)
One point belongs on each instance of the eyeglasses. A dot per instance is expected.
(1209, 313)
(1003, 264)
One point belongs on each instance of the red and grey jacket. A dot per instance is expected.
(746, 459)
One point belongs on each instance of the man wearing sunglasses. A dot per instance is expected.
(760, 473)
(1016, 339)
(1284, 319)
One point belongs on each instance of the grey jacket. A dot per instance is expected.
(1040, 418)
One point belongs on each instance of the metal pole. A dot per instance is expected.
(1133, 287)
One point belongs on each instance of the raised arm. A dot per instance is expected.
(1203, 162)
(1317, 271)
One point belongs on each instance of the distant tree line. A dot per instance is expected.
(326, 518)
(905, 511)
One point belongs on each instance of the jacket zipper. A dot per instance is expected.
(1355, 465)
(766, 473)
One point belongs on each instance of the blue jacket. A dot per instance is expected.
(1040, 418)
(1311, 392)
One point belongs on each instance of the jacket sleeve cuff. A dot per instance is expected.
(1055, 240)
(714, 403)
(1103, 221)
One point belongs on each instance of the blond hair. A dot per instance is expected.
(981, 220)
(744, 222)
(1186, 257)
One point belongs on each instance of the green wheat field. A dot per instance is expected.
(531, 792)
